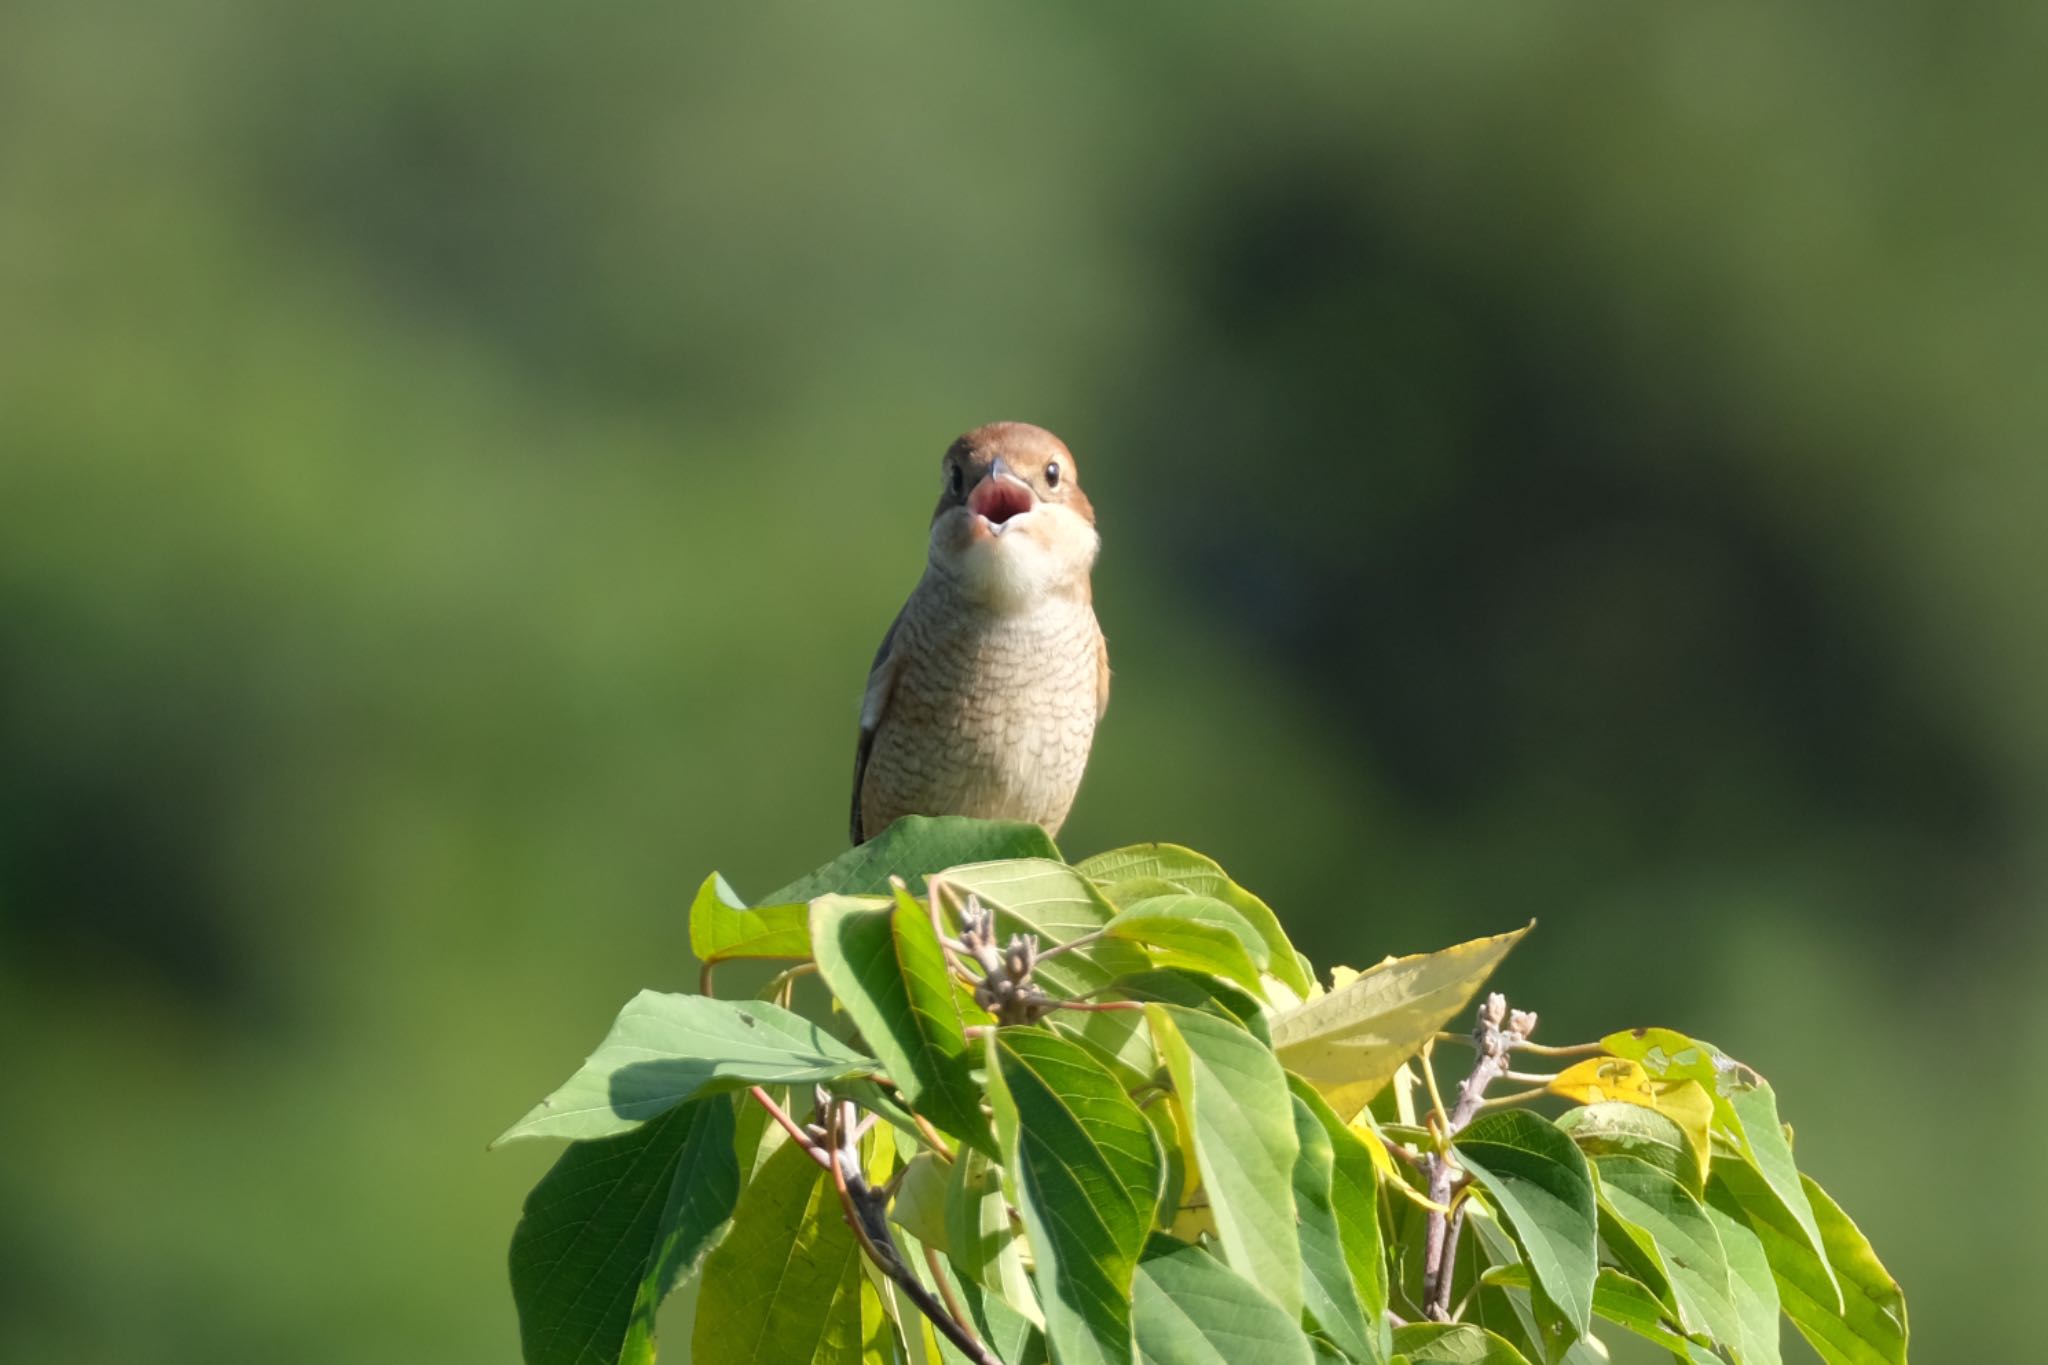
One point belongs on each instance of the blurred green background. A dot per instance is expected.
(456, 461)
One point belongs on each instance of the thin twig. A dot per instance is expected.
(1533, 1077)
(704, 976)
(1401, 1152)
(1071, 944)
(836, 1149)
(1505, 1101)
(931, 1261)
(931, 1136)
(803, 1139)
(1574, 1050)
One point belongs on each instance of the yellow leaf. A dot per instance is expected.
(1349, 1042)
(1684, 1101)
(1376, 1148)
(1383, 1163)
(1193, 1222)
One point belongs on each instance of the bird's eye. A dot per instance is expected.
(1052, 475)
(955, 480)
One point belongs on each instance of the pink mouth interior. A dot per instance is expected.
(999, 500)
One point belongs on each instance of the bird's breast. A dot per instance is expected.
(992, 715)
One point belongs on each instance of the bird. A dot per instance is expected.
(984, 697)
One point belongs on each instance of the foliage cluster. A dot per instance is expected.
(1105, 1113)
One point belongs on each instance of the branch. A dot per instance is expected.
(836, 1148)
(1498, 1033)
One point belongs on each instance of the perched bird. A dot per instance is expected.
(984, 696)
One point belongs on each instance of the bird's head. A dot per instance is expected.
(1013, 525)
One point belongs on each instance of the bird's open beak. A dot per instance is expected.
(1000, 496)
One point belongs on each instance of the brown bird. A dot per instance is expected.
(984, 696)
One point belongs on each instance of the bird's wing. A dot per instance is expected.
(1101, 674)
(874, 704)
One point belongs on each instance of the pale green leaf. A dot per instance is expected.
(1330, 1295)
(1045, 897)
(1354, 1199)
(665, 1049)
(1188, 1308)
(1154, 864)
(1454, 1343)
(1872, 1327)
(920, 1203)
(785, 1286)
(1616, 1129)
(985, 1244)
(1350, 1042)
(1755, 1291)
(1195, 932)
(1612, 1080)
(1196, 991)
(1623, 1301)
(1235, 1095)
(722, 927)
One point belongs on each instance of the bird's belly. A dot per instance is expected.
(996, 725)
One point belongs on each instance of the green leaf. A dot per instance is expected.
(1608, 1080)
(1329, 1293)
(1485, 1249)
(610, 1229)
(1454, 1343)
(1622, 1301)
(889, 974)
(784, 1287)
(1354, 1199)
(1538, 1179)
(1195, 932)
(1872, 1327)
(920, 1203)
(1084, 1174)
(1755, 1293)
(1617, 1129)
(983, 1241)
(1011, 1335)
(1349, 1043)
(1005, 1331)
(1196, 991)
(1190, 871)
(1769, 1153)
(1035, 895)
(1745, 1107)
(1236, 1098)
(1670, 1224)
(722, 927)
(665, 1049)
(1046, 896)
(913, 848)
(1188, 1308)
